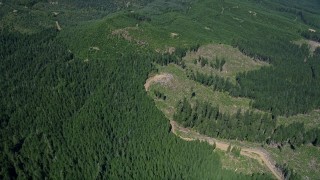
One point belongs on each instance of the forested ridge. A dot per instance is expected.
(67, 119)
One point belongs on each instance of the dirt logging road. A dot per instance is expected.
(160, 78)
(256, 153)
(261, 155)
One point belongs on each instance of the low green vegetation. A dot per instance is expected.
(310, 120)
(241, 164)
(181, 87)
(304, 161)
(222, 60)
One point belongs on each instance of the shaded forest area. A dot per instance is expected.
(289, 86)
(314, 36)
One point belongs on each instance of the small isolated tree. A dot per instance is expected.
(164, 97)
(195, 61)
(193, 94)
(203, 61)
(229, 148)
(160, 95)
(214, 145)
(183, 64)
(223, 61)
(236, 151)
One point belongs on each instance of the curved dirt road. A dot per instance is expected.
(256, 153)
(160, 78)
(186, 134)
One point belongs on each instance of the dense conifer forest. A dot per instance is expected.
(289, 87)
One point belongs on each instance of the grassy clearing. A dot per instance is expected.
(241, 164)
(230, 161)
(310, 120)
(305, 160)
(181, 87)
(312, 44)
(236, 62)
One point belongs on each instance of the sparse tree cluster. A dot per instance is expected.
(287, 172)
(175, 57)
(236, 151)
(160, 95)
(295, 135)
(208, 120)
(219, 63)
(217, 83)
(202, 61)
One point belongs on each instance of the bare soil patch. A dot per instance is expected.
(173, 35)
(58, 26)
(236, 61)
(253, 13)
(160, 78)
(95, 48)
(312, 30)
(313, 45)
(124, 33)
(169, 50)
